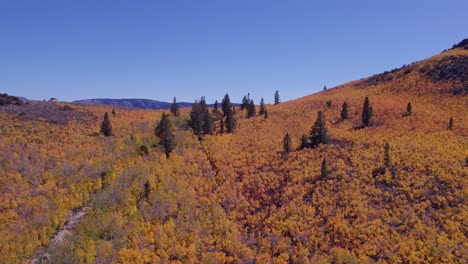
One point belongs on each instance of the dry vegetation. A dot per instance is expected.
(237, 198)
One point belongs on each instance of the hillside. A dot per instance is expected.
(237, 197)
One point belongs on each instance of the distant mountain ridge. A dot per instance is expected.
(137, 103)
(133, 103)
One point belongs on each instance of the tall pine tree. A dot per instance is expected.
(261, 111)
(366, 113)
(251, 109)
(228, 113)
(277, 98)
(245, 102)
(319, 131)
(106, 127)
(165, 132)
(175, 111)
(196, 119)
(344, 111)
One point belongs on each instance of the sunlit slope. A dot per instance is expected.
(415, 211)
(238, 198)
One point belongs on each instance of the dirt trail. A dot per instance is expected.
(73, 220)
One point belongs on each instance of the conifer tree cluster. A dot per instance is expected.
(245, 102)
(251, 109)
(201, 120)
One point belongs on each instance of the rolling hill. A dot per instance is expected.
(390, 192)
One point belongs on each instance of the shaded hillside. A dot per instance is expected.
(446, 73)
(6, 99)
(391, 192)
(52, 112)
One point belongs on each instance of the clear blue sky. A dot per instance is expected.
(77, 49)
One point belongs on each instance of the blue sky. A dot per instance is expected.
(159, 49)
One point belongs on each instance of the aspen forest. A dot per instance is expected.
(371, 171)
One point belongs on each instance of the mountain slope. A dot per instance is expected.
(238, 198)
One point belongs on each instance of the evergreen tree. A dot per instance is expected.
(287, 143)
(304, 142)
(165, 132)
(387, 159)
(366, 113)
(251, 109)
(409, 109)
(228, 113)
(262, 107)
(450, 126)
(106, 127)
(245, 102)
(113, 112)
(324, 169)
(329, 104)
(319, 131)
(175, 111)
(277, 98)
(216, 108)
(196, 119)
(266, 114)
(208, 124)
(324, 87)
(344, 111)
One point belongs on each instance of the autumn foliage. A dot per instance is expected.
(394, 192)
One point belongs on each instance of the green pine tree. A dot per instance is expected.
(277, 98)
(106, 127)
(216, 108)
(344, 111)
(165, 131)
(196, 119)
(366, 113)
(319, 131)
(251, 109)
(228, 113)
(451, 121)
(261, 111)
(175, 111)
